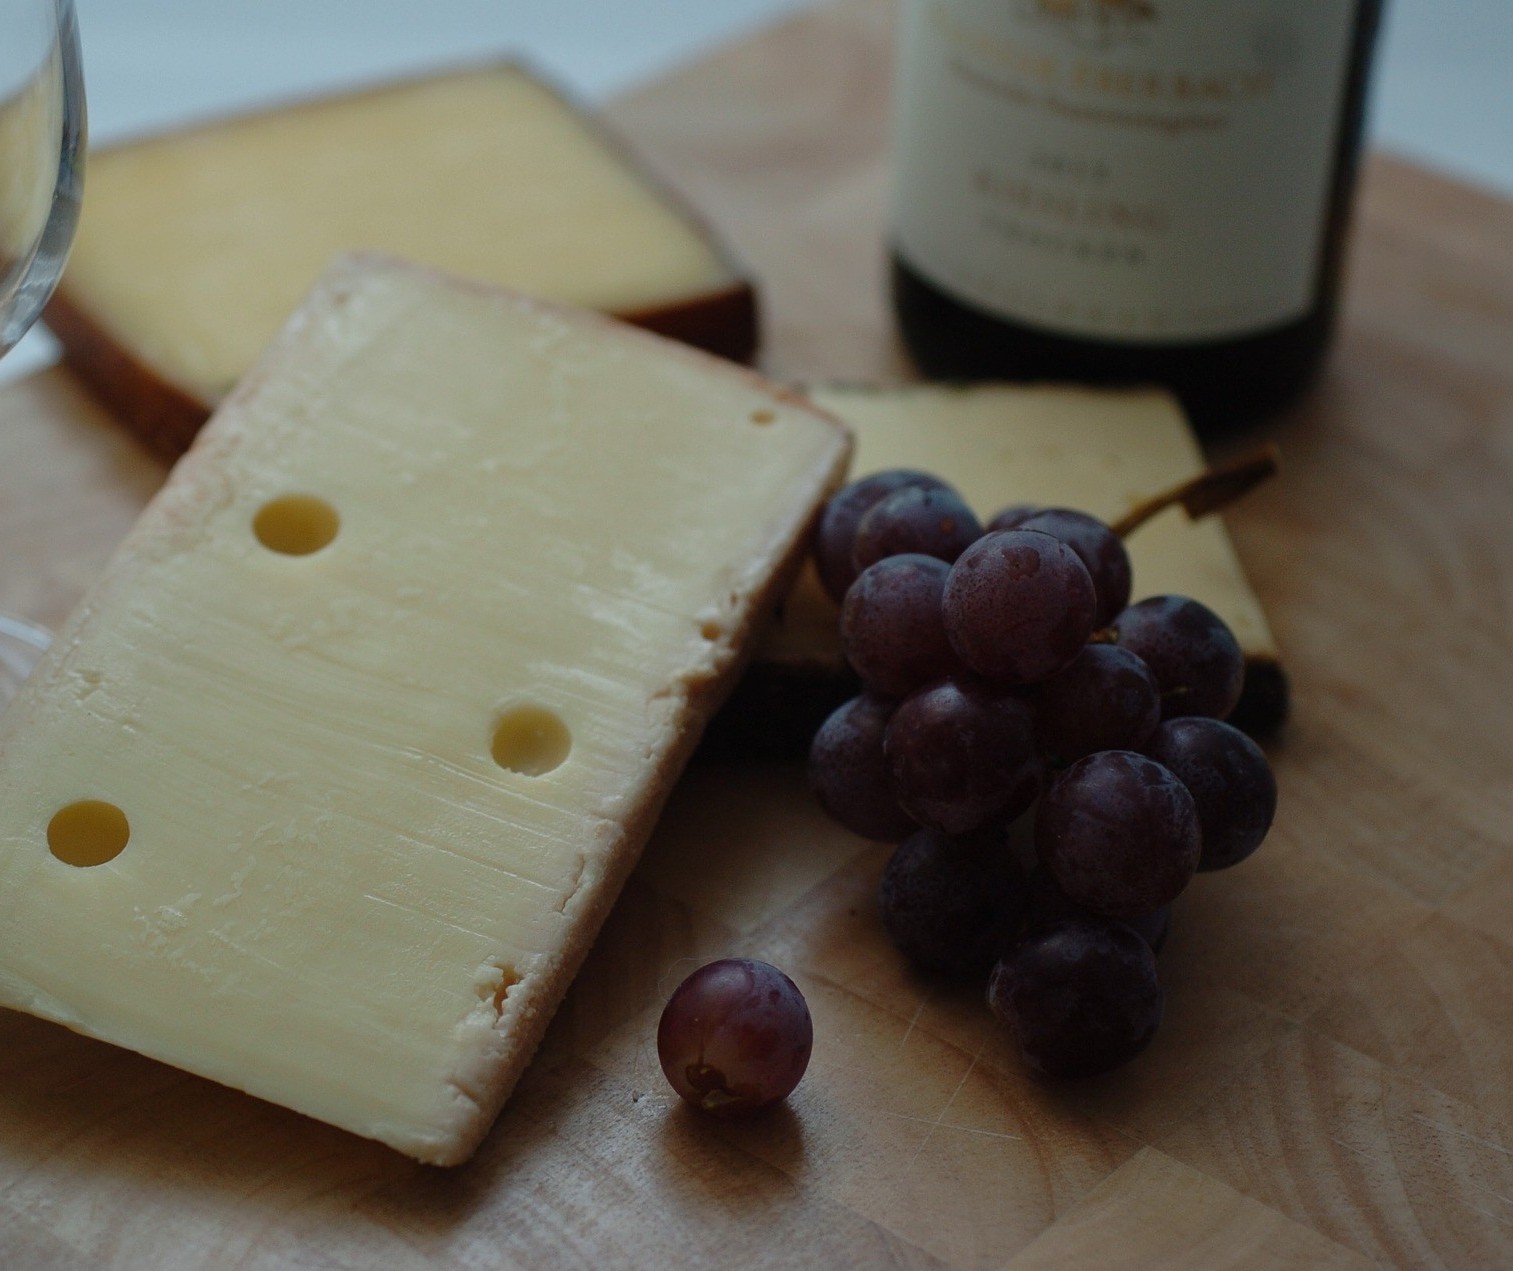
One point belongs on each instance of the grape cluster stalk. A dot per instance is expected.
(1007, 675)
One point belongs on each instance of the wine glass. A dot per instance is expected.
(42, 130)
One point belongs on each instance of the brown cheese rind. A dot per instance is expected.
(723, 323)
(161, 415)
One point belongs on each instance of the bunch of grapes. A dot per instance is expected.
(1005, 672)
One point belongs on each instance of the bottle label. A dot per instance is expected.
(1151, 171)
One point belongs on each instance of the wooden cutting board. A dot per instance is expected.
(1334, 1080)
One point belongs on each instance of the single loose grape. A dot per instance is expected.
(849, 773)
(932, 520)
(1098, 547)
(1232, 785)
(835, 537)
(951, 905)
(1119, 833)
(1018, 606)
(1104, 699)
(1080, 996)
(961, 752)
(1195, 658)
(735, 1037)
(891, 629)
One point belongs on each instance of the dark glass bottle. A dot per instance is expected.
(1112, 191)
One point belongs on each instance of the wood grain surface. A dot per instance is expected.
(1333, 1085)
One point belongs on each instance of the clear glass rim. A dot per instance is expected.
(33, 278)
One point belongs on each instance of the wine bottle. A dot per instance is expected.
(1128, 191)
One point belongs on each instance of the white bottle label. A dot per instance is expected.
(1146, 171)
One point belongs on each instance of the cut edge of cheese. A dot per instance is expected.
(165, 407)
(494, 1040)
(1097, 450)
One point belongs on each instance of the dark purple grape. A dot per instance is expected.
(735, 1037)
(849, 774)
(835, 538)
(1119, 833)
(1098, 547)
(1195, 658)
(1080, 996)
(952, 904)
(1231, 783)
(1047, 903)
(933, 521)
(1019, 606)
(891, 628)
(961, 752)
(1011, 517)
(1104, 699)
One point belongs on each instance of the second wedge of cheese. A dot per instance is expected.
(1096, 450)
(195, 246)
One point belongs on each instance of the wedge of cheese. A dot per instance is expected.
(1100, 451)
(195, 246)
(327, 785)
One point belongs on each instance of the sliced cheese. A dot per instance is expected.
(1099, 451)
(195, 246)
(384, 693)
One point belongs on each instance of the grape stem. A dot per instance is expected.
(1208, 492)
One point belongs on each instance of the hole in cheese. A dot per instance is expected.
(296, 524)
(89, 832)
(763, 416)
(530, 740)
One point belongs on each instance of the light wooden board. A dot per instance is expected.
(1334, 1082)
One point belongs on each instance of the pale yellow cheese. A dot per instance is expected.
(1097, 451)
(195, 246)
(381, 794)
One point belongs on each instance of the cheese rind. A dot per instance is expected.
(194, 246)
(334, 895)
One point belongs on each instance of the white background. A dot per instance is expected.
(1443, 92)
